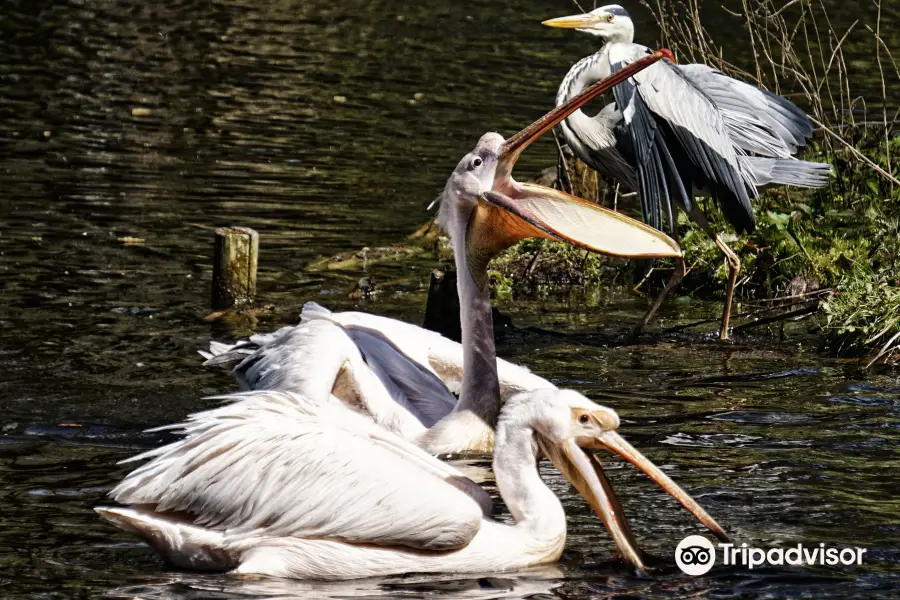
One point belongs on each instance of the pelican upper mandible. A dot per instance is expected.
(275, 484)
(404, 376)
(677, 128)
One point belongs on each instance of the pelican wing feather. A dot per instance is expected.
(429, 350)
(274, 464)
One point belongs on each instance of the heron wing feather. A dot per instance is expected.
(758, 121)
(697, 126)
(644, 135)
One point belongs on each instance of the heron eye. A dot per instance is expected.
(476, 162)
(609, 18)
(583, 419)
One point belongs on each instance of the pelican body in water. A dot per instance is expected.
(278, 483)
(273, 484)
(676, 129)
(406, 377)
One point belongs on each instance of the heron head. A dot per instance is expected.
(612, 23)
(565, 424)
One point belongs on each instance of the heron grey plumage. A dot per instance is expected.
(676, 131)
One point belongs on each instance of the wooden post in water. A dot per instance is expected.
(234, 267)
(442, 306)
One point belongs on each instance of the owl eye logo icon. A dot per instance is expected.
(695, 555)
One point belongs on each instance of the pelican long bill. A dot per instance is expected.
(611, 440)
(591, 483)
(587, 477)
(548, 213)
(511, 211)
(514, 146)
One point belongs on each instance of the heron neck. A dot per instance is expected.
(623, 35)
(583, 74)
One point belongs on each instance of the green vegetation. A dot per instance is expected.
(838, 246)
(864, 313)
(844, 238)
(536, 268)
(828, 236)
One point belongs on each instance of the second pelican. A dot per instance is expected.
(276, 485)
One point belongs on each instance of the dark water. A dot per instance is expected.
(160, 121)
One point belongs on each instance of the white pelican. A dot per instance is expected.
(399, 373)
(285, 484)
(677, 128)
(274, 484)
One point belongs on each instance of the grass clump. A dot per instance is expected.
(864, 313)
(844, 238)
(537, 268)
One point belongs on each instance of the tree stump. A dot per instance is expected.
(442, 308)
(234, 267)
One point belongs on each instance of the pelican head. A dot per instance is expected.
(473, 176)
(612, 23)
(484, 210)
(565, 423)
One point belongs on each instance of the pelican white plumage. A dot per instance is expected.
(287, 484)
(404, 376)
(274, 484)
(675, 129)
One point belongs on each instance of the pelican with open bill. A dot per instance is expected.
(408, 379)
(511, 211)
(545, 212)
(251, 486)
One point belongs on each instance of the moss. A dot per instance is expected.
(845, 237)
(540, 268)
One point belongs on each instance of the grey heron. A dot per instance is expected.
(675, 130)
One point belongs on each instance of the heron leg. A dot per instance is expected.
(734, 267)
(677, 276)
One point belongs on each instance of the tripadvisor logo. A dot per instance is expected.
(696, 555)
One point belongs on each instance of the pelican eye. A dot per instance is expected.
(609, 18)
(584, 419)
(476, 162)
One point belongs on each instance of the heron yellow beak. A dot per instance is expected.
(583, 21)
(587, 476)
